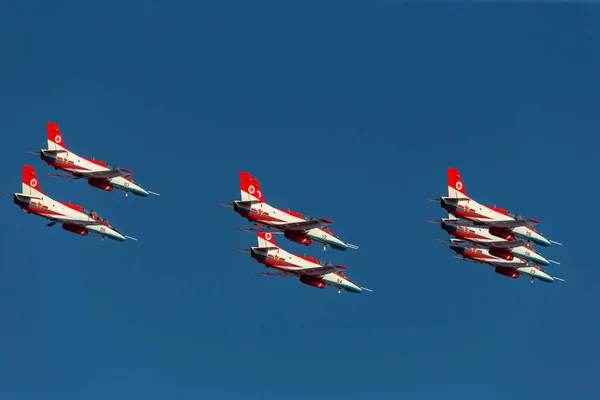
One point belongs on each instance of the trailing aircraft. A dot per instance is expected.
(512, 268)
(98, 173)
(73, 218)
(311, 271)
(294, 226)
(480, 235)
(501, 223)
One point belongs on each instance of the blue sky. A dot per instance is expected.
(343, 110)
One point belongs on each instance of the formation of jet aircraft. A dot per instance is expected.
(479, 233)
(491, 235)
(74, 218)
(268, 220)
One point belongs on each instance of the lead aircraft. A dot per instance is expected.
(500, 223)
(73, 218)
(98, 173)
(311, 271)
(295, 227)
(512, 268)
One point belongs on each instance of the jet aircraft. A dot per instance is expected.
(480, 235)
(98, 173)
(501, 223)
(512, 268)
(311, 271)
(295, 227)
(73, 218)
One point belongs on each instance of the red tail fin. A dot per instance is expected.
(266, 239)
(30, 180)
(55, 137)
(456, 187)
(250, 188)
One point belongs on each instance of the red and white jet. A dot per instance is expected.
(501, 223)
(512, 268)
(295, 227)
(505, 248)
(98, 173)
(311, 271)
(73, 218)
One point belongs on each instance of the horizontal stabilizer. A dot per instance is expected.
(432, 200)
(266, 248)
(455, 199)
(247, 203)
(27, 196)
(48, 151)
(229, 205)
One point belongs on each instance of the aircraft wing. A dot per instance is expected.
(304, 225)
(111, 173)
(507, 264)
(513, 223)
(260, 228)
(68, 220)
(316, 271)
(505, 244)
(273, 273)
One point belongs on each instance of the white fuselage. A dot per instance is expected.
(78, 166)
(266, 214)
(280, 259)
(49, 208)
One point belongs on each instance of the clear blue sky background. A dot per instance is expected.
(343, 110)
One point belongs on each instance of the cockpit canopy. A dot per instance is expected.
(94, 214)
(514, 215)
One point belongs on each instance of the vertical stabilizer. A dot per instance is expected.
(55, 139)
(30, 185)
(266, 239)
(456, 187)
(250, 188)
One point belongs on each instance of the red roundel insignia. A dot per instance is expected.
(57, 139)
(268, 236)
(33, 183)
(251, 189)
(458, 185)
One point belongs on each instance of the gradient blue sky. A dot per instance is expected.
(343, 110)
